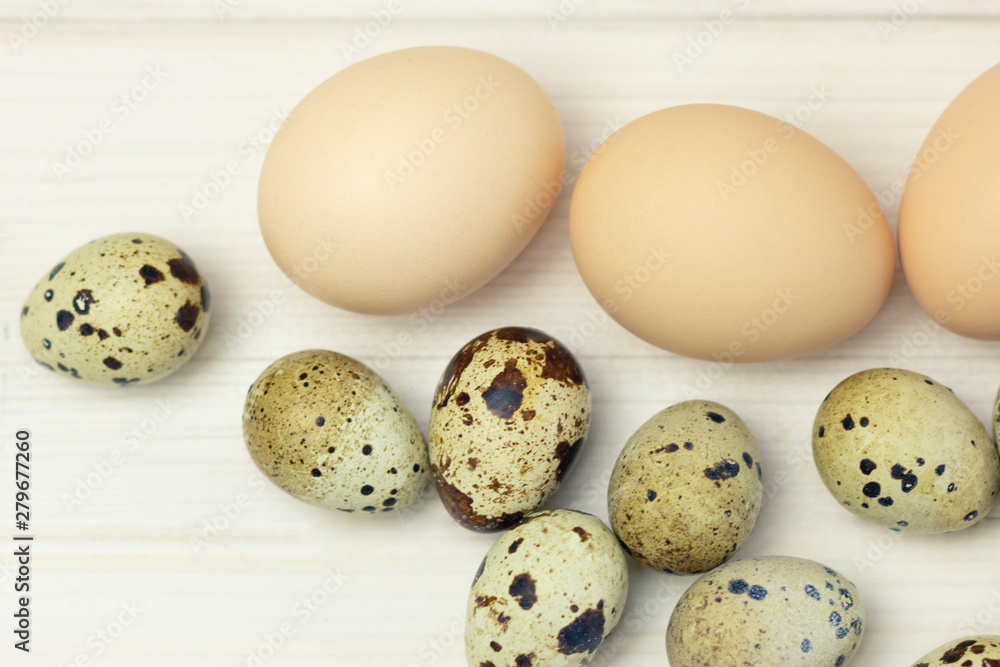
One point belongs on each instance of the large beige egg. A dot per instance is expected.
(949, 239)
(410, 179)
(725, 234)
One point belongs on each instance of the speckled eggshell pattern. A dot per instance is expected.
(767, 611)
(123, 309)
(901, 450)
(509, 419)
(978, 651)
(547, 594)
(330, 432)
(686, 489)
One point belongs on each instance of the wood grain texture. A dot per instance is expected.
(399, 581)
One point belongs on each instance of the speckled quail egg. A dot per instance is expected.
(330, 432)
(978, 651)
(901, 450)
(767, 611)
(124, 309)
(509, 419)
(686, 489)
(547, 594)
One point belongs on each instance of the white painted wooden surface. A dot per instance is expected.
(400, 580)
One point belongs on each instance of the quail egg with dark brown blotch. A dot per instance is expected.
(329, 431)
(124, 309)
(978, 651)
(548, 593)
(901, 450)
(510, 416)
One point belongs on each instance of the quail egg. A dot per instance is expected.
(509, 419)
(901, 450)
(761, 612)
(124, 309)
(330, 432)
(686, 489)
(979, 651)
(547, 594)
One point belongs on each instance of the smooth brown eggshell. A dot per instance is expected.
(686, 489)
(510, 417)
(727, 235)
(949, 215)
(124, 309)
(765, 612)
(977, 651)
(411, 178)
(548, 593)
(901, 450)
(329, 431)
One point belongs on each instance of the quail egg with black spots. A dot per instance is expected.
(903, 451)
(124, 309)
(510, 417)
(329, 431)
(767, 611)
(686, 489)
(978, 651)
(548, 593)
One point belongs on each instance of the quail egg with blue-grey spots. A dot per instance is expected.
(767, 611)
(548, 593)
(329, 431)
(686, 489)
(124, 309)
(903, 451)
